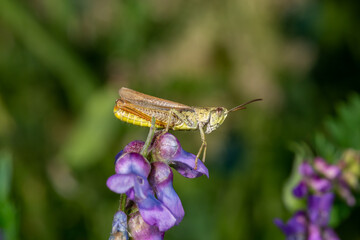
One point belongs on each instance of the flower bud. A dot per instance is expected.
(166, 148)
(140, 230)
(119, 227)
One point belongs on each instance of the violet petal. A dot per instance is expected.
(306, 169)
(296, 226)
(120, 183)
(152, 210)
(330, 234)
(184, 163)
(330, 171)
(319, 184)
(155, 213)
(300, 190)
(345, 192)
(314, 232)
(132, 163)
(319, 207)
(161, 179)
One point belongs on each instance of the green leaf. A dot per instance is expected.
(5, 174)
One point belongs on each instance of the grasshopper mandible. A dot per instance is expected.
(138, 109)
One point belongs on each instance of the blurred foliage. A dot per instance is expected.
(8, 221)
(341, 132)
(62, 62)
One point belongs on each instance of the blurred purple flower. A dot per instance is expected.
(329, 171)
(295, 228)
(345, 192)
(310, 180)
(319, 207)
(318, 184)
(324, 179)
(161, 179)
(314, 232)
(167, 148)
(329, 234)
(306, 170)
(300, 190)
(140, 230)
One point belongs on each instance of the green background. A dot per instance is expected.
(62, 63)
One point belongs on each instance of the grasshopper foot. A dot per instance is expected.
(202, 149)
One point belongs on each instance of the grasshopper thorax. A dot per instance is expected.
(216, 118)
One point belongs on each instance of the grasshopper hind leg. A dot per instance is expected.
(168, 121)
(202, 148)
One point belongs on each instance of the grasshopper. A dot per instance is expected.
(138, 109)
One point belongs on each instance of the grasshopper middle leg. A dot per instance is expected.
(182, 117)
(174, 112)
(202, 148)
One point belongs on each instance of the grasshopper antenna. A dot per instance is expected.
(242, 106)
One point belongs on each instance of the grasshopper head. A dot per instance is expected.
(217, 117)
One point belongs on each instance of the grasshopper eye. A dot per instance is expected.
(219, 111)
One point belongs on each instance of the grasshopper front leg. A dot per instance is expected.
(203, 146)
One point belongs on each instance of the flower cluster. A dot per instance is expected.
(318, 185)
(146, 179)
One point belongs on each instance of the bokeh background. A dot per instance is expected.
(62, 63)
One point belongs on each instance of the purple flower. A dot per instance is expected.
(119, 227)
(319, 184)
(345, 192)
(300, 190)
(314, 232)
(140, 230)
(139, 179)
(313, 224)
(295, 228)
(161, 179)
(329, 234)
(306, 169)
(312, 180)
(319, 207)
(323, 179)
(132, 171)
(167, 148)
(329, 171)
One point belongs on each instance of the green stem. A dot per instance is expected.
(149, 138)
(122, 202)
